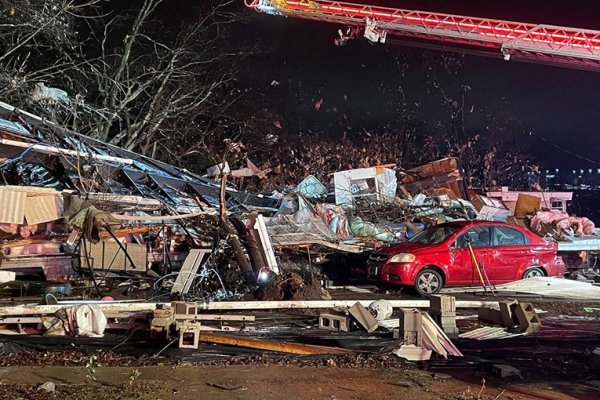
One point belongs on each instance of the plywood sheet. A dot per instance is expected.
(45, 208)
(527, 205)
(12, 206)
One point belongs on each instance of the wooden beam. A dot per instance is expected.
(309, 304)
(120, 307)
(270, 345)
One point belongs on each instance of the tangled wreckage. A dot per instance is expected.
(110, 241)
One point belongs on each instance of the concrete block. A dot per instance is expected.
(163, 313)
(333, 322)
(410, 320)
(529, 322)
(507, 309)
(363, 317)
(489, 315)
(442, 304)
(446, 321)
(189, 336)
(162, 319)
(184, 310)
(451, 332)
(413, 353)
(411, 326)
(413, 338)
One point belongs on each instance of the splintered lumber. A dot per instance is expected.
(187, 273)
(131, 307)
(270, 345)
(437, 339)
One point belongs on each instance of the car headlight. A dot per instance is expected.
(403, 257)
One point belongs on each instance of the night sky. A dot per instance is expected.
(355, 81)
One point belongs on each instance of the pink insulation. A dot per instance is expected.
(562, 224)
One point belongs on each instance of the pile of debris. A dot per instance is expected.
(89, 219)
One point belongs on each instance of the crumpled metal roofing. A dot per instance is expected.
(103, 167)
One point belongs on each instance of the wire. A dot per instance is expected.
(566, 150)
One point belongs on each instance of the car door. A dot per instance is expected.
(462, 270)
(510, 252)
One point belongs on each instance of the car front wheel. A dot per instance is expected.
(428, 282)
(533, 273)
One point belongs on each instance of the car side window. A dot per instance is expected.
(478, 237)
(505, 236)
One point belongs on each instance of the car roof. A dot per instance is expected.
(475, 223)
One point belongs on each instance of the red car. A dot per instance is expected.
(439, 256)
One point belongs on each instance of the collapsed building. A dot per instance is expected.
(167, 250)
(63, 195)
(89, 215)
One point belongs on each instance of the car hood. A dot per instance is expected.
(408, 248)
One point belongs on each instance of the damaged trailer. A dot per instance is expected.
(72, 205)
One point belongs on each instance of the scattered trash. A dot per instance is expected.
(49, 387)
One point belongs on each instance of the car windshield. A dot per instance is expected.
(434, 234)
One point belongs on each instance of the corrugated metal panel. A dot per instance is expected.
(39, 209)
(12, 206)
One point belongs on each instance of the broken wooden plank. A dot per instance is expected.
(269, 345)
(187, 274)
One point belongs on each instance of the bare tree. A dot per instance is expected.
(127, 75)
(38, 42)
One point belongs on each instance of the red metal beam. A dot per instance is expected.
(576, 45)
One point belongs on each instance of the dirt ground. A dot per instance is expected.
(267, 382)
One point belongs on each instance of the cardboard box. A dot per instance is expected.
(527, 205)
(489, 209)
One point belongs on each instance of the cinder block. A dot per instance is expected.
(413, 337)
(529, 322)
(363, 317)
(410, 320)
(163, 313)
(162, 318)
(450, 331)
(447, 321)
(411, 326)
(442, 304)
(507, 309)
(444, 319)
(489, 315)
(184, 310)
(335, 323)
(189, 336)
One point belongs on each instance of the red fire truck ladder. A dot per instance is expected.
(571, 47)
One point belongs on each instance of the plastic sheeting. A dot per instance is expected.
(85, 320)
(311, 187)
(298, 219)
(361, 228)
(336, 218)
